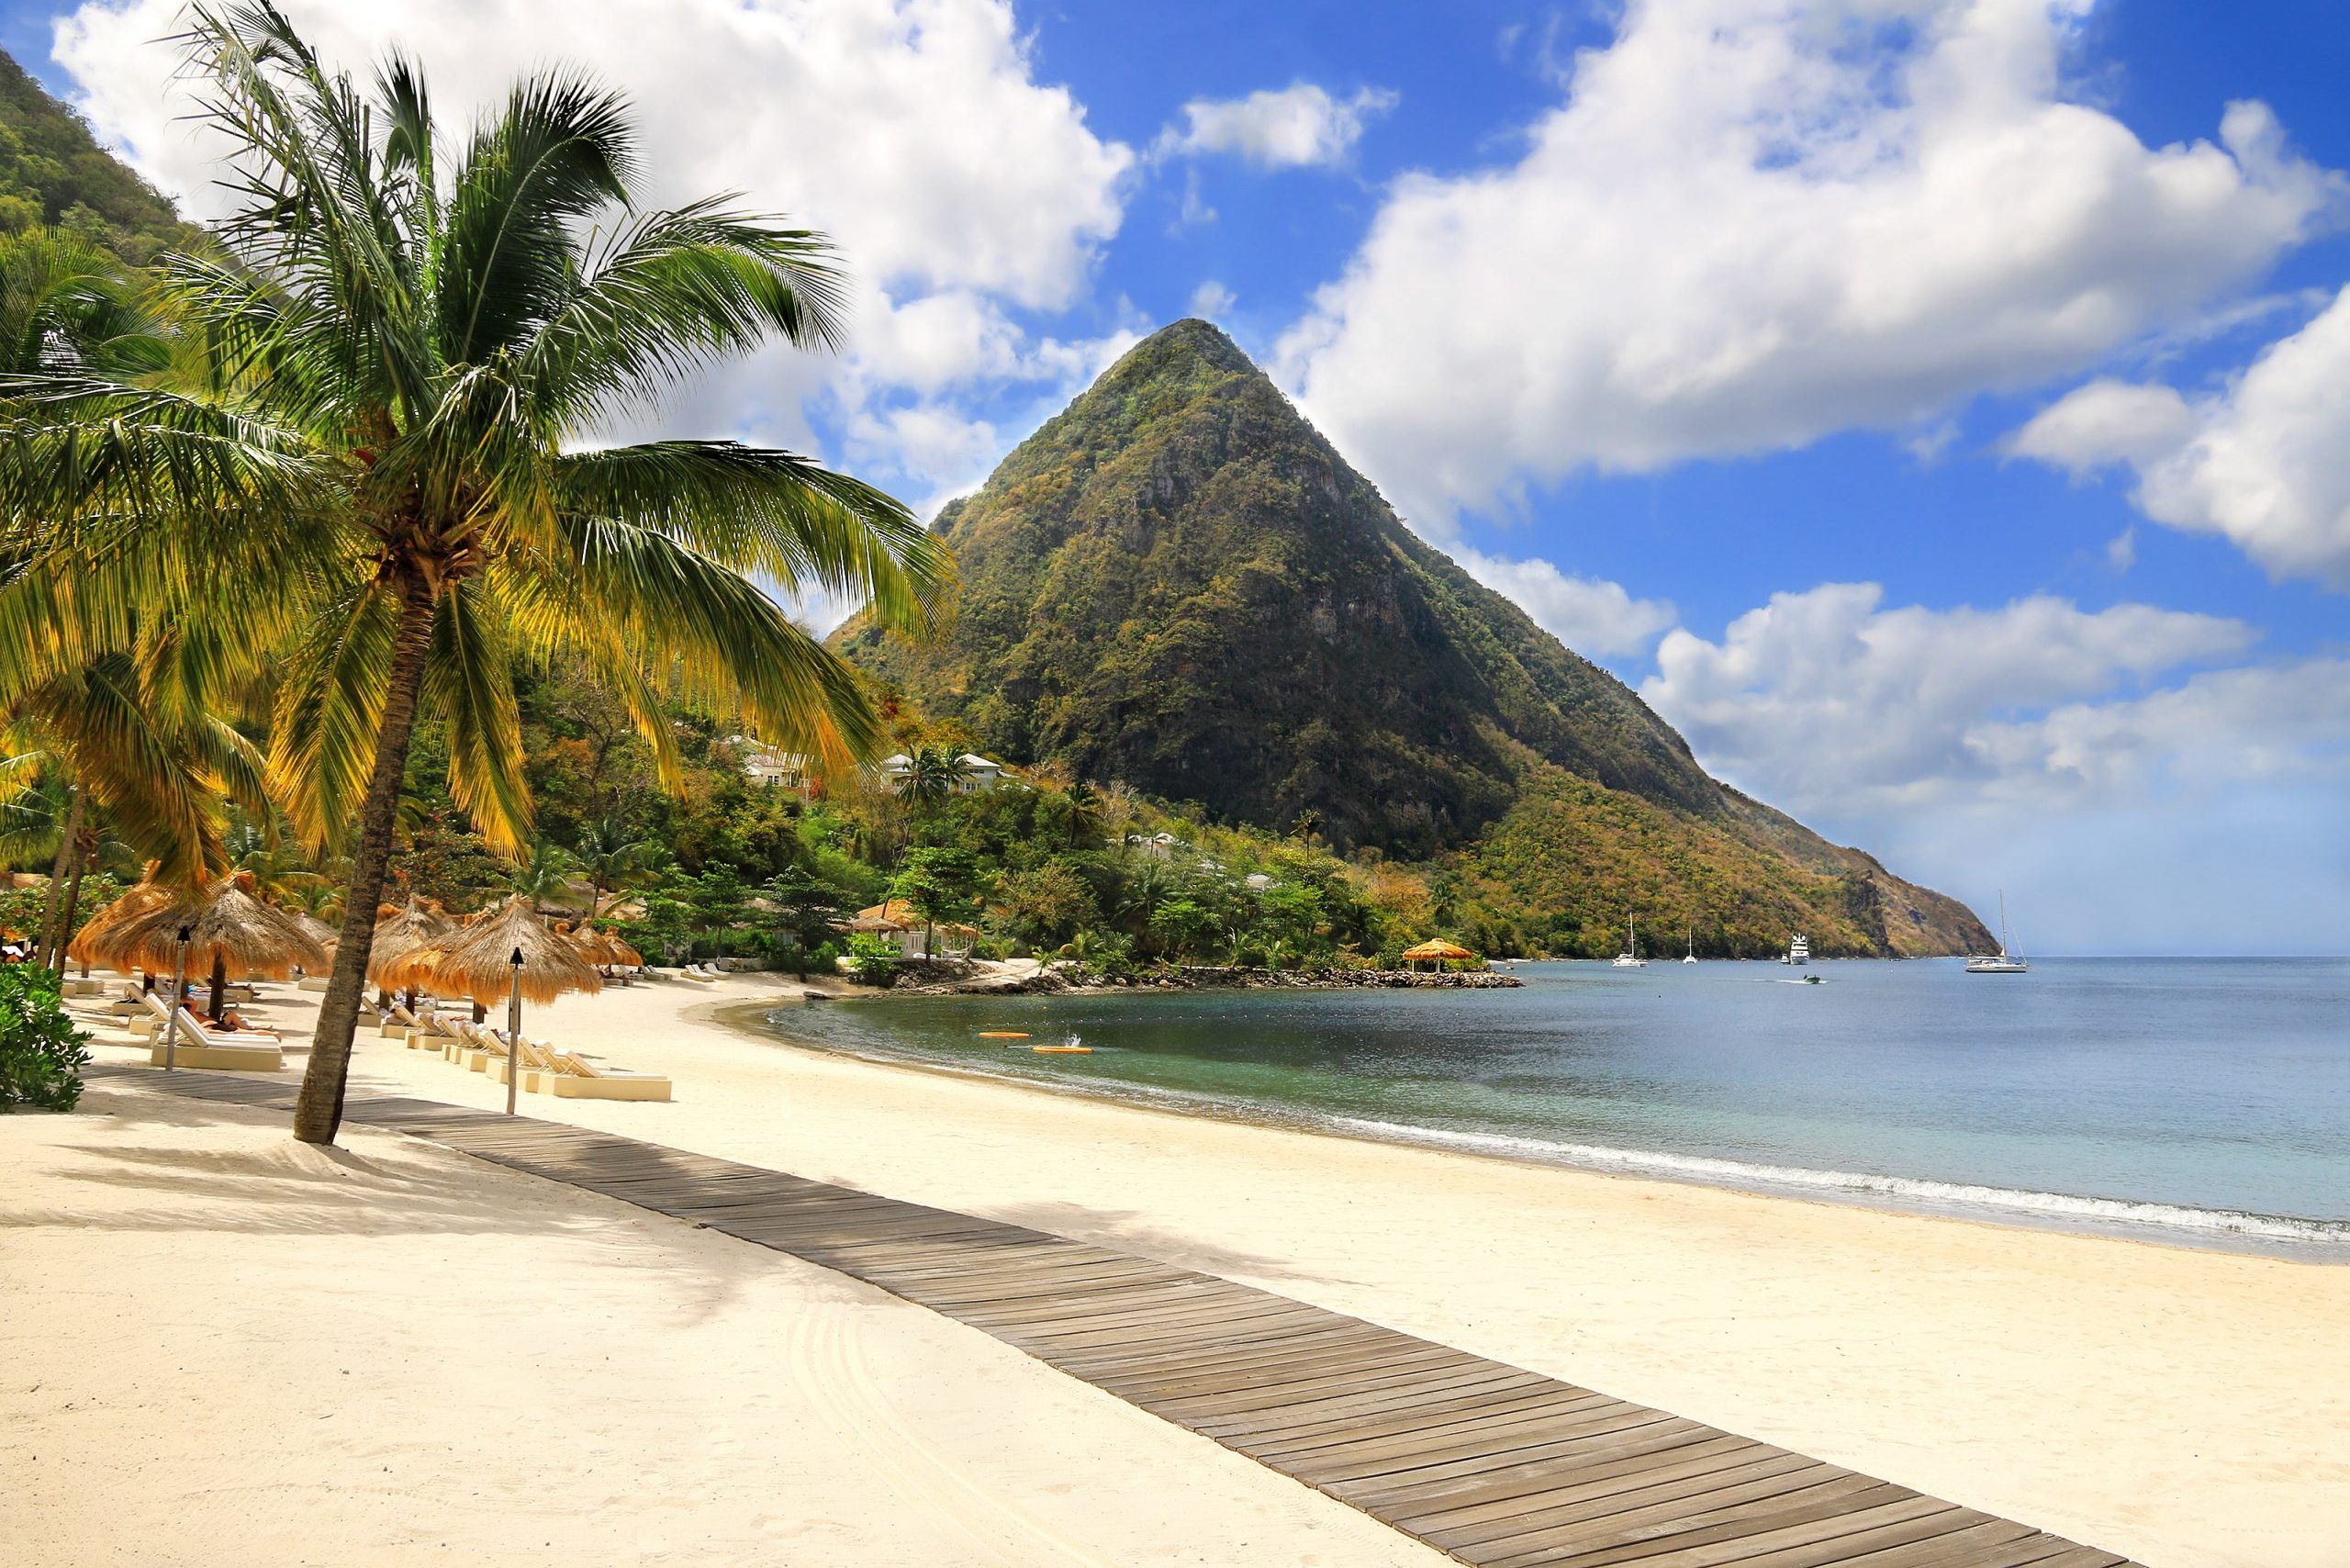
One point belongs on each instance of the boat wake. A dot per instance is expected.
(2115, 1214)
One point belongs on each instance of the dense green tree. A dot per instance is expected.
(938, 883)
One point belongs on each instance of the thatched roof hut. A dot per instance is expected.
(1437, 951)
(889, 915)
(476, 961)
(401, 934)
(231, 932)
(325, 936)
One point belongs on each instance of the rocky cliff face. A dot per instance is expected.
(1179, 583)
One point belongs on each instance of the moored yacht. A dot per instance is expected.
(2006, 963)
(1629, 958)
(1798, 951)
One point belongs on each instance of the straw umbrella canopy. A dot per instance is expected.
(1438, 951)
(93, 946)
(325, 936)
(604, 947)
(402, 933)
(230, 931)
(476, 961)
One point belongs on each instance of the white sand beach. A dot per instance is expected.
(219, 1336)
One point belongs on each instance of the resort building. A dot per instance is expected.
(896, 920)
(770, 768)
(980, 774)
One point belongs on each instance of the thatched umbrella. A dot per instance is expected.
(229, 930)
(512, 954)
(319, 931)
(402, 935)
(604, 949)
(93, 946)
(1437, 951)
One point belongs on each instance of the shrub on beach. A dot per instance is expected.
(40, 1051)
(873, 957)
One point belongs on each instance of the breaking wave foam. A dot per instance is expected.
(1907, 1190)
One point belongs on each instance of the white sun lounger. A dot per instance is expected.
(236, 1050)
(578, 1078)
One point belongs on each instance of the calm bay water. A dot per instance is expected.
(2208, 1099)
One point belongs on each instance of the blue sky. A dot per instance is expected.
(1931, 405)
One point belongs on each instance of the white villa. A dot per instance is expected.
(980, 774)
(769, 768)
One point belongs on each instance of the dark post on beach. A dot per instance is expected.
(179, 992)
(514, 1030)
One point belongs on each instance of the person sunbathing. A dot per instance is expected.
(232, 1021)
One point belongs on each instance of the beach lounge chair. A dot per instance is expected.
(313, 982)
(696, 973)
(398, 1020)
(534, 1059)
(431, 1033)
(578, 1078)
(239, 1051)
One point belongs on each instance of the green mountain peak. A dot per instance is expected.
(1179, 583)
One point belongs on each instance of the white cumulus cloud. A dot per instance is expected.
(1754, 222)
(1595, 617)
(2264, 462)
(855, 116)
(1825, 701)
(1297, 127)
(2129, 799)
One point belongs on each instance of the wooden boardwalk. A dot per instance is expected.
(1491, 1463)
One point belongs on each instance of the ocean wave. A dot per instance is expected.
(1911, 1190)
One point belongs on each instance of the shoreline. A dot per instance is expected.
(2185, 1226)
(1984, 1363)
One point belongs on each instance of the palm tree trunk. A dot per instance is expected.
(54, 933)
(218, 986)
(318, 1113)
(73, 906)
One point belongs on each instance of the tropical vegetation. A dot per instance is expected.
(365, 489)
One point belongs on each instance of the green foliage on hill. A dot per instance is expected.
(1177, 583)
(1561, 870)
(53, 172)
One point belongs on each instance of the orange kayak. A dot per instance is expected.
(1065, 1051)
(1001, 1034)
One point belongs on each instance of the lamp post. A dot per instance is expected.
(179, 988)
(514, 1030)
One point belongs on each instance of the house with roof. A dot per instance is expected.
(771, 767)
(980, 774)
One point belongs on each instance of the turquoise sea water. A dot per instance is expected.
(2202, 1099)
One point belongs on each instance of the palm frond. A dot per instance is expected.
(469, 678)
(757, 510)
(704, 632)
(671, 293)
(330, 706)
(561, 150)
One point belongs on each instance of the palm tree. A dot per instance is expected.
(383, 478)
(545, 876)
(1084, 814)
(612, 859)
(934, 773)
(108, 732)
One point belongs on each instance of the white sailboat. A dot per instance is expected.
(1691, 957)
(1629, 958)
(2007, 963)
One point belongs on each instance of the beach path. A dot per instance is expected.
(1487, 1462)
